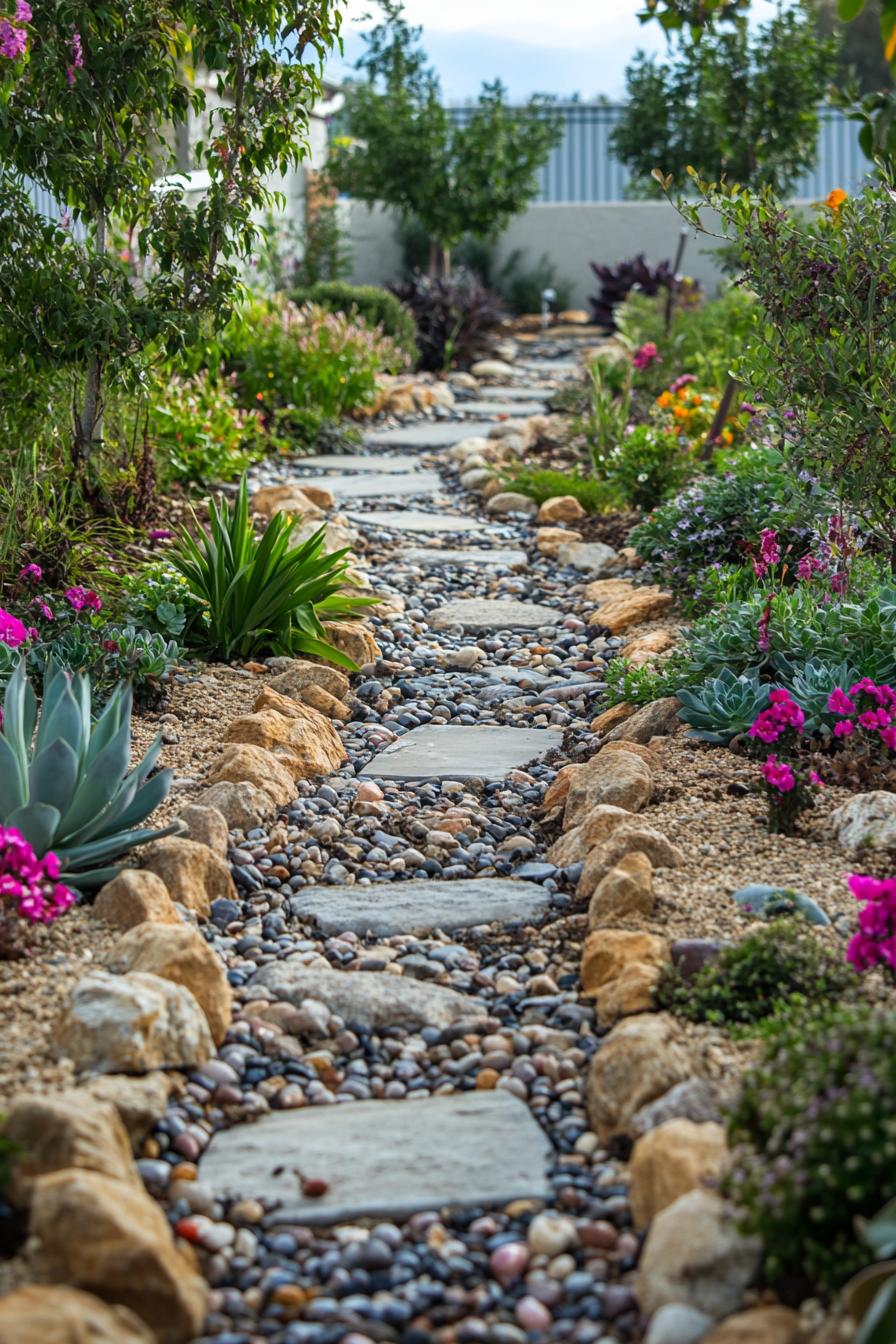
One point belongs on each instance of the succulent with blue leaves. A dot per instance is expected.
(724, 706)
(65, 782)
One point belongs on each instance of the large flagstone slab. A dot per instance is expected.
(368, 997)
(372, 484)
(493, 613)
(415, 520)
(430, 433)
(386, 908)
(454, 751)
(432, 555)
(511, 407)
(384, 1159)
(378, 462)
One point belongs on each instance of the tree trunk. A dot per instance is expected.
(446, 263)
(719, 419)
(439, 261)
(88, 418)
(433, 268)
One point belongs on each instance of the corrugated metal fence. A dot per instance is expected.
(582, 167)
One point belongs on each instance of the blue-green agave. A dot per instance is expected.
(66, 786)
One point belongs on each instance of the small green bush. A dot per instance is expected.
(594, 496)
(377, 307)
(200, 433)
(776, 966)
(814, 1142)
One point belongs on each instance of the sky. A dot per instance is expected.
(582, 49)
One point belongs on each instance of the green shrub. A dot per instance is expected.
(65, 779)
(777, 966)
(200, 433)
(594, 496)
(259, 593)
(704, 339)
(815, 1141)
(377, 307)
(647, 465)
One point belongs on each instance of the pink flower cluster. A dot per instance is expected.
(14, 632)
(684, 380)
(13, 35)
(875, 943)
(30, 883)
(77, 51)
(867, 706)
(769, 552)
(81, 598)
(646, 355)
(778, 775)
(783, 713)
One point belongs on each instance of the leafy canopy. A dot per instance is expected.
(456, 177)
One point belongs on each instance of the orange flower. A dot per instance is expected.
(664, 399)
(682, 413)
(836, 198)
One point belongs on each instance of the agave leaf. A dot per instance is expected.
(147, 799)
(109, 847)
(62, 719)
(53, 775)
(14, 714)
(90, 880)
(38, 823)
(98, 786)
(106, 726)
(13, 793)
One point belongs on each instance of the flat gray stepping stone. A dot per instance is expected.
(518, 392)
(402, 907)
(593, 557)
(493, 613)
(385, 1159)
(454, 751)
(430, 433)
(413, 520)
(371, 484)
(426, 555)
(499, 408)
(354, 462)
(551, 366)
(368, 997)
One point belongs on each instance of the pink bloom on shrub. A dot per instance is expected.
(646, 355)
(31, 574)
(77, 50)
(768, 546)
(816, 779)
(840, 703)
(40, 605)
(875, 943)
(874, 718)
(888, 736)
(28, 882)
(844, 728)
(160, 534)
(760, 569)
(864, 687)
(839, 583)
(79, 598)
(779, 775)
(683, 381)
(12, 631)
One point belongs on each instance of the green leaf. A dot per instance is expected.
(849, 9)
(38, 823)
(879, 1324)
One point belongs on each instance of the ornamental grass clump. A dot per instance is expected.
(814, 1142)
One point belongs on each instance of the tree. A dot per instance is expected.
(861, 54)
(89, 99)
(729, 102)
(455, 176)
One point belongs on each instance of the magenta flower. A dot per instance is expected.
(768, 546)
(31, 574)
(30, 883)
(875, 943)
(844, 728)
(160, 534)
(760, 568)
(888, 737)
(646, 355)
(77, 51)
(81, 598)
(683, 381)
(12, 631)
(40, 605)
(840, 703)
(778, 775)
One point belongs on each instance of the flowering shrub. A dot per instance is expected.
(316, 365)
(14, 33)
(813, 1141)
(864, 733)
(788, 786)
(199, 431)
(29, 890)
(875, 943)
(646, 355)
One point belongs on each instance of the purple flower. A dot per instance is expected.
(79, 598)
(160, 534)
(12, 631)
(31, 574)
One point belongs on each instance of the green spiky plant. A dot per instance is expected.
(260, 593)
(64, 779)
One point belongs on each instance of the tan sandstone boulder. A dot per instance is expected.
(135, 896)
(183, 956)
(670, 1160)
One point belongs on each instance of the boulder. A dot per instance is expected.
(193, 874)
(636, 1063)
(632, 992)
(108, 1238)
(657, 719)
(48, 1314)
(325, 703)
(206, 826)
(592, 557)
(300, 674)
(611, 717)
(568, 849)
(677, 1324)
(367, 997)
(354, 639)
(307, 745)
(670, 1160)
(603, 821)
(626, 890)
(561, 509)
(630, 838)
(290, 498)
(647, 754)
(183, 956)
(620, 779)
(132, 1024)
(339, 535)
(695, 1255)
(621, 969)
(324, 499)
(548, 540)
(138, 1101)
(558, 789)
(476, 477)
(492, 371)
(646, 648)
(135, 896)
(242, 764)
(696, 1100)
(866, 821)
(65, 1129)
(511, 501)
(759, 1325)
(242, 805)
(641, 604)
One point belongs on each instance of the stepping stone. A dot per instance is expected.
(499, 408)
(354, 462)
(449, 751)
(402, 907)
(430, 433)
(368, 997)
(413, 520)
(386, 1159)
(362, 487)
(519, 392)
(550, 367)
(487, 613)
(423, 555)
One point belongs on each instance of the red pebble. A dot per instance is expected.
(315, 1188)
